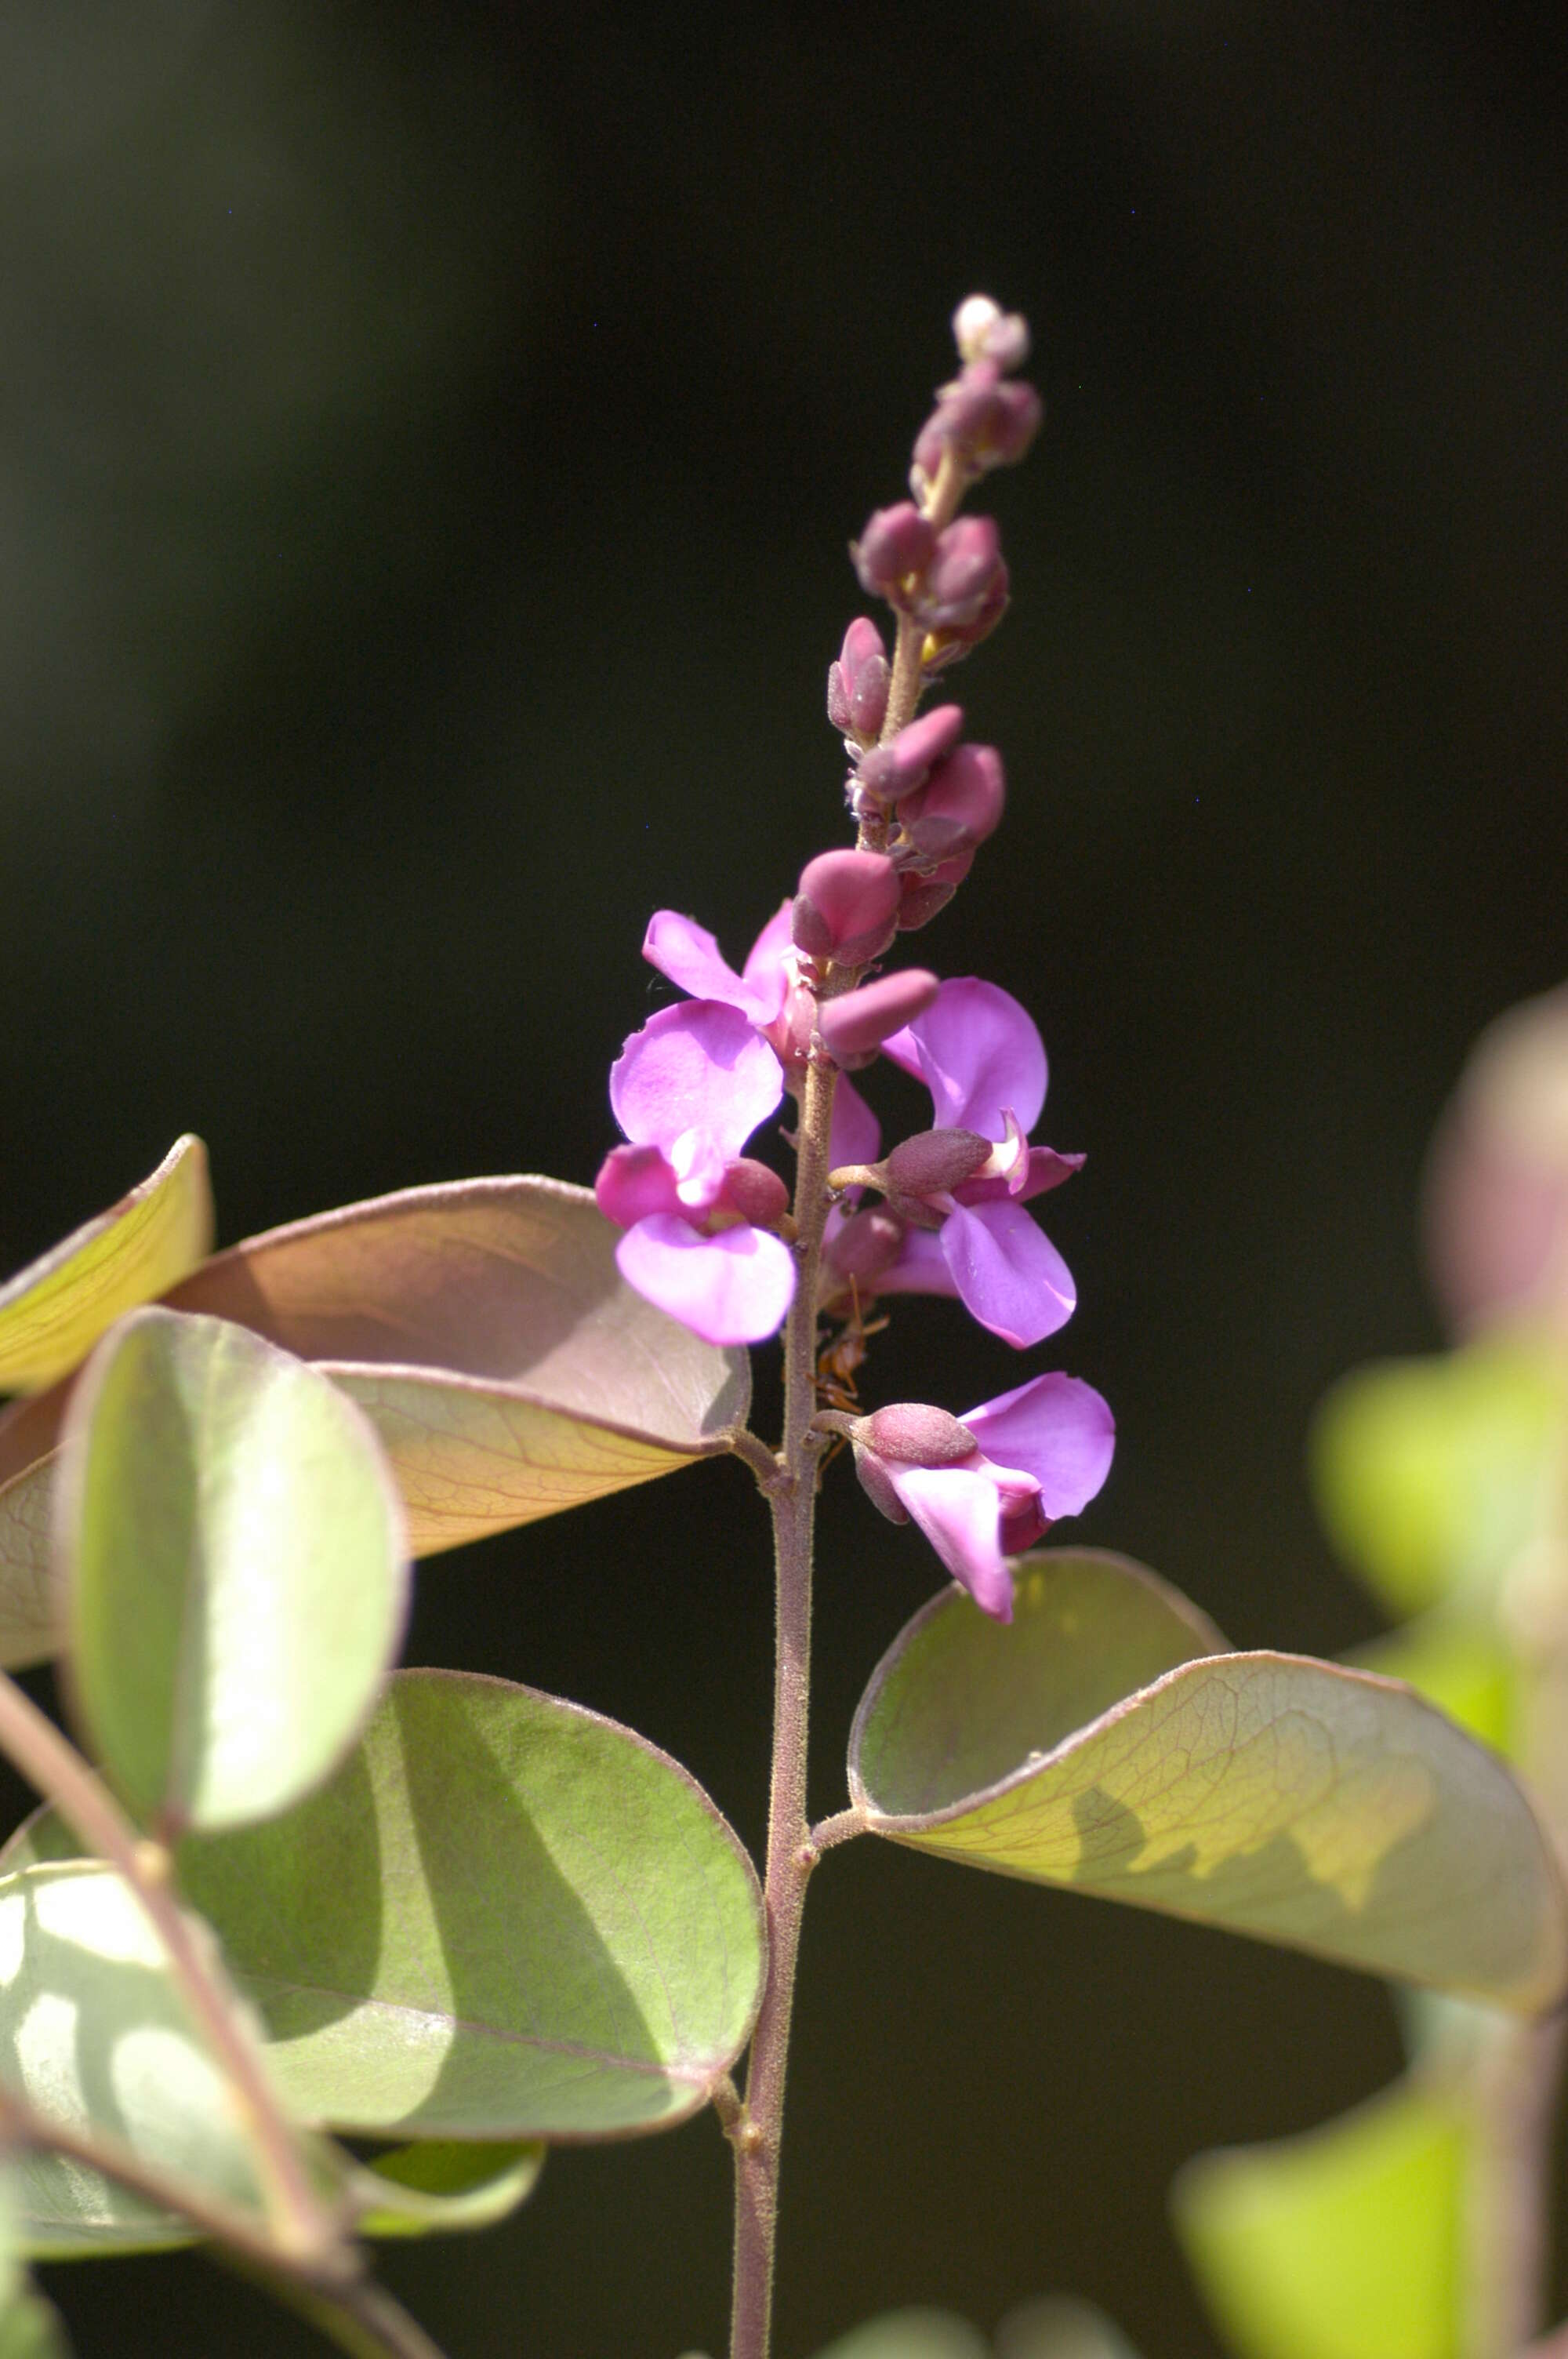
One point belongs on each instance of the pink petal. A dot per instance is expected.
(978, 1052)
(633, 1182)
(856, 1135)
(1045, 1169)
(960, 1514)
(732, 1288)
(690, 956)
(921, 1268)
(697, 1067)
(765, 972)
(1009, 1275)
(1058, 1430)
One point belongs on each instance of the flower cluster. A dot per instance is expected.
(709, 1234)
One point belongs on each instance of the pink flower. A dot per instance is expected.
(689, 1089)
(987, 1485)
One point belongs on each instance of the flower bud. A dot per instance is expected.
(961, 575)
(984, 332)
(854, 1027)
(857, 683)
(896, 544)
(925, 897)
(890, 771)
(915, 1434)
(945, 646)
(757, 1195)
(934, 1162)
(960, 804)
(846, 907)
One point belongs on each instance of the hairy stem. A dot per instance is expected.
(303, 2229)
(757, 2137)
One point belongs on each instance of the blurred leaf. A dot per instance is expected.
(94, 2032)
(1430, 1474)
(506, 1918)
(30, 1609)
(1060, 2329)
(420, 2190)
(30, 2327)
(1457, 1662)
(42, 1840)
(484, 1329)
(52, 1312)
(1292, 1799)
(1340, 2244)
(911, 2335)
(236, 1585)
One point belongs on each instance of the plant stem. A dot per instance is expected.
(305, 2232)
(792, 1499)
(362, 2319)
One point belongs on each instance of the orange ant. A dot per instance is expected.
(837, 1362)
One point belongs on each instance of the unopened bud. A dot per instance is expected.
(960, 804)
(915, 1434)
(854, 1027)
(846, 907)
(893, 550)
(934, 1162)
(984, 332)
(945, 646)
(757, 1194)
(961, 575)
(891, 771)
(857, 683)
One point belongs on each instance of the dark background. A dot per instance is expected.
(429, 439)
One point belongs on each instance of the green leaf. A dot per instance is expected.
(1341, 2244)
(52, 1312)
(1270, 1794)
(30, 2327)
(236, 1582)
(94, 2033)
(1432, 1475)
(1458, 1662)
(1060, 2329)
(418, 2190)
(30, 1625)
(911, 2335)
(486, 1332)
(506, 1918)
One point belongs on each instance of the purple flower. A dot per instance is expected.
(689, 1089)
(987, 1485)
(981, 1056)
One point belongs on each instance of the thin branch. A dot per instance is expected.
(841, 1828)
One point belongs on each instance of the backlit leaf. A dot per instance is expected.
(52, 1312)
(233, 1554)
(1341, 2244)
(418, 2191)
(1267, 1793)
(505, 1918)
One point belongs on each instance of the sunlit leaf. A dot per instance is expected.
(418, 2191)
(484, 1329)
(1295, 1801)
(505, 1918)
(911, 2335)
(1341, 2244)
(1060, 2329)
(232, 1552)
(94, 2034)
(1431, 1475)
(52, 1312)
(1460, 1663)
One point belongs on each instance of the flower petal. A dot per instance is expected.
(856, 1135)
(1009, 1275)
(690, 956)
(766, 972)
(960, 1515)
(700, 1068)
(978, 1052)
(732, 1288)
(921, 1268)
(1058, 1430)
(1045, 1169)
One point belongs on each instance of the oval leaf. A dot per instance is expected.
(93, 2032)
(484, 1329)
(1307, 1804)
(505, 1918)
(1342, 2245)
(52, 1312)
(231, 1553)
